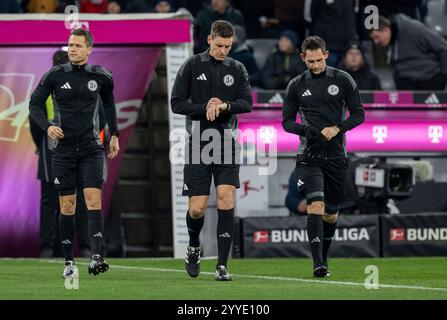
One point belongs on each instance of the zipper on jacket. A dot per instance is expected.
(79, 113)
(214, 77)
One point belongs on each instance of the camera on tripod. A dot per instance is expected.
(392, 181)
(377, 183)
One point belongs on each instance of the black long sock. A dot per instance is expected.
(66, 224)
(328, 235)
(194, 228)
(95, 231)
(225, 230)
(315, 234)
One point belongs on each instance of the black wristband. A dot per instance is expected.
(116, 134)
(341, 127)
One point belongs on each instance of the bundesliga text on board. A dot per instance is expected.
(418, 234)
(300, 235)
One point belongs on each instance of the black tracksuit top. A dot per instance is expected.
(201, 78)
(76, 91)
(322, 101)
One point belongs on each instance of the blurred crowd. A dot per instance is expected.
(283, 24)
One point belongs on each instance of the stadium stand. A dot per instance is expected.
(261, 49)
(437, 16)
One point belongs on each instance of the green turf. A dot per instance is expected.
(283, 279)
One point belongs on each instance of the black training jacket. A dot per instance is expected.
(201, 78)
(322, 101)
(76, 92)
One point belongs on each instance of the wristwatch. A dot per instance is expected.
(228, 105)
(341, 127)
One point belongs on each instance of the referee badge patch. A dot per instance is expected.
(92, 85)
(228, 80)
(333, 90)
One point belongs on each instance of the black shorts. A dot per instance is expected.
(197, 177)
(78, 168)
(322, 180)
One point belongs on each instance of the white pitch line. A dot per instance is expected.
(325, 281)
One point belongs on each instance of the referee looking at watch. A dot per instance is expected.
(210, 90)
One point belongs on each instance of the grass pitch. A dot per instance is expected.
(257, 279)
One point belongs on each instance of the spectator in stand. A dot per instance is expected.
(334, 21)
(9, 6)
(162, 6)
(94, 6)
(39, 6)
(61, 5)
(257, 23)
(284, 63)
(193, 6)
(415, 9)
(290, 15)
(114, 7)
(218, 10)
(355, 64)
(130, 6)
(242, 52)
(412, 8)
(417, 54)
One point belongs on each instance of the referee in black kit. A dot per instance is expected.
(321, 96)
(211, 89)
(76, 89)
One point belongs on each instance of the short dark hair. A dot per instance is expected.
(222, 28)
(60, 57)
(313, 43)
(82, 32)
(383, 23)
